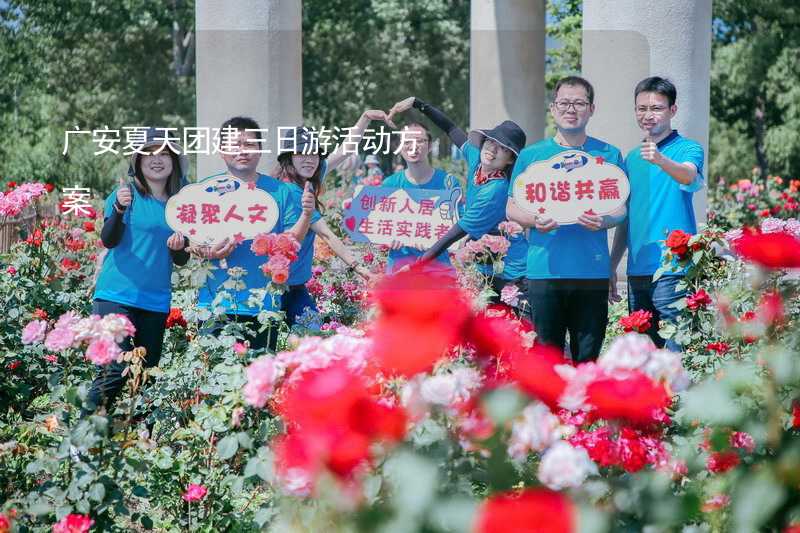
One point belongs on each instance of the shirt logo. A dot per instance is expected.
(571, 162)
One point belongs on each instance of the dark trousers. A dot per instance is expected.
(577, 306)
(659, 298)
(257, 339)
(150, 327)
(294, 303)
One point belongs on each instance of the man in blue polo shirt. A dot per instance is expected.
(568, 267)
(665, 171)
(241, 157)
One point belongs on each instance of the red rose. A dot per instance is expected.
(770, 250)
(49, 187)
(638, 321)
(634, 397)
(678, 243)
(698, 300)
(720, 347)
(11, 185)
(68, 264)
(530, 511)
(534, 371)
(796, 415)
(40, 314)
(416, 305)
(13, 365)
(175, 318)
(719, 462)
(88, 226)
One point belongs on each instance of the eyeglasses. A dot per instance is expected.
(654, 109)
(564, 105)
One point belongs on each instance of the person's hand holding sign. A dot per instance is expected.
(176, 241)
(590, 220)
(545, 225)
(124, 197)
(650, 151)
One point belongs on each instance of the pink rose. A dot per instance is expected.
(34, 332)
(194, 492)
(59, 339)
(103, 351)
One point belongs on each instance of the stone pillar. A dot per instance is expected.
(625, 41)
(249, 62)
(507, 64)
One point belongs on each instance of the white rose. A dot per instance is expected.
(564, 466)
(439, 390)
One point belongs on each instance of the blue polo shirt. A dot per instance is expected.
(137, 271)
(485, 209)
(658, 204)
(243, 257)
(408, 254)
(571, 251)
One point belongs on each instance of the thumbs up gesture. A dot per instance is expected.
(650, 151)
(307, 201)
(123, 193)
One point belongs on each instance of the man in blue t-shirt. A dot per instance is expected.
(665, 171)
(241, 154)
(568, 267)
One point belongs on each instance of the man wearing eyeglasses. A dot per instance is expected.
(568, 266)
(664, 171)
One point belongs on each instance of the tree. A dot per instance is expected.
(91, 65)
(755, 98)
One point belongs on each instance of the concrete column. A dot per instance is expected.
(249, 62)
(625, 41)
(507, 64)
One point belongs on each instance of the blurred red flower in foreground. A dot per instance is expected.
(770, 250)
(333, 419)
(529, 511)
(634, 397)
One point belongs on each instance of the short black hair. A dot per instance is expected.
(656, 84)
(241, 124)
(572, 81)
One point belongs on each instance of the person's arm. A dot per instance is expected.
(113, 228)
(442, 121)
(300, 228)
(618, 245)
(323, 231)
(516, 214)
(683, 173)
(455, 233)
(340, 154)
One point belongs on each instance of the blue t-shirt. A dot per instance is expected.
(138, 270)
(658, 204)
(242, 256)
(300, 269)
(408, 254)
(571, 251)
(485, 209)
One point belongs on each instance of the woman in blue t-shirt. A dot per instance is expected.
(135, 276)
(490, 156)
(296, 169)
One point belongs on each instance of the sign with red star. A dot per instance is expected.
(222, 207)
(569, 184)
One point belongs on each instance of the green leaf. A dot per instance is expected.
(146, 522)
(244, 440)
(97, 492)
(503, 405)
(140, 491)
(227, 447)
(414, 480)
(710, 402)
(755, 499)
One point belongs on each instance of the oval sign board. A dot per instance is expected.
(569, 184)
(221, 207)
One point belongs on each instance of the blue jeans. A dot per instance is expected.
(294, 303)
(656, 297)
